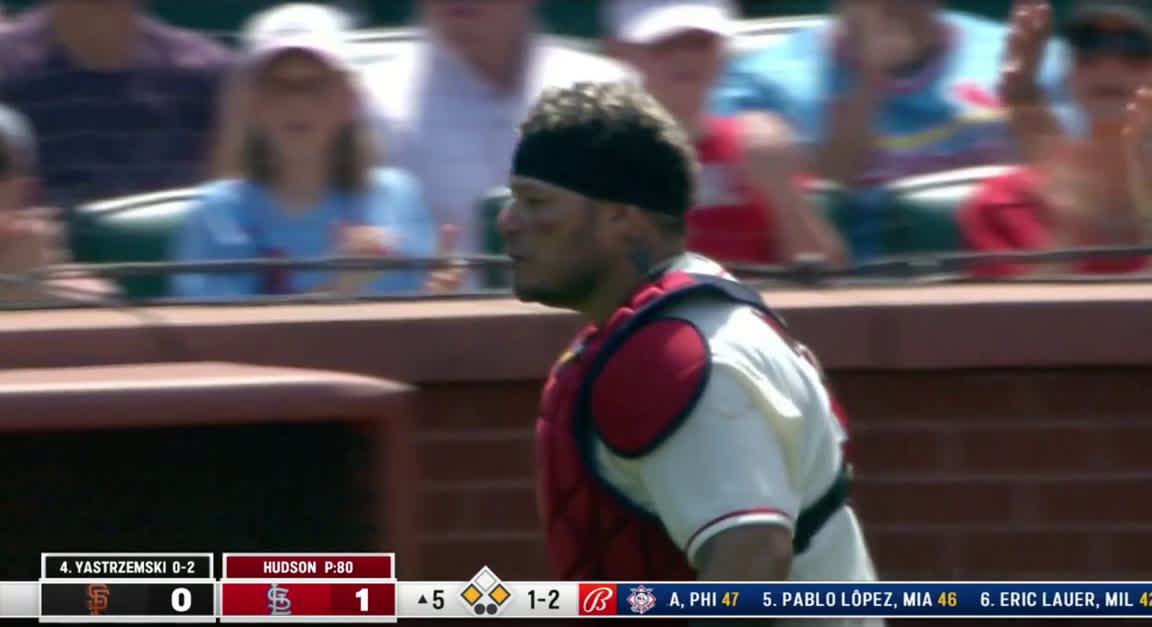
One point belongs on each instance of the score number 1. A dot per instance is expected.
(359, 599)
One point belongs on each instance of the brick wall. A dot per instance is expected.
(966, 474)
(966, 471)
(480, 507)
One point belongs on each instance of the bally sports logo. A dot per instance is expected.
(597, 599)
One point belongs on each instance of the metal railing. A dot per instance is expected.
(906, 271)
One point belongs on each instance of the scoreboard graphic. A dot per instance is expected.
(308, 587)
(362, 588)
(140, 587)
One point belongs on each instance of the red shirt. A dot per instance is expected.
(730, 222)
(1008, 213)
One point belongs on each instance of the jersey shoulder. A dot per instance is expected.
(743, 340)
(652, 382)
(649, 386)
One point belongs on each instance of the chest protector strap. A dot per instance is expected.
(812, 518)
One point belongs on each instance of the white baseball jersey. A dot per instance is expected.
(762, 444)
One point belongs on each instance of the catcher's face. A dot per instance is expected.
(560, 247)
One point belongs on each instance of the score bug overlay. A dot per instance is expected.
(308, 587)
(127, 587)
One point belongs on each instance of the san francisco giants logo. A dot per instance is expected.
(97, 598)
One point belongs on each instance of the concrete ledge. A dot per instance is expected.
(500, 340)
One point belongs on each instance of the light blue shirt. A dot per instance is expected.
(238, 219)
(945, 118)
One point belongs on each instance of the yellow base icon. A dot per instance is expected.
(485, 594)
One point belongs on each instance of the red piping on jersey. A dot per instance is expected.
(733, 514)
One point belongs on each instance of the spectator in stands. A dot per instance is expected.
(749, 205)
(886, 89)
(447, 109)
(1080, 194)
(30, 236)
(121, 102)
(299, 178)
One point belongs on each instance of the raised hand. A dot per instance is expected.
(359, 240)
(362, 239)
(1028, 32)
(446, 279)
(1033, 123)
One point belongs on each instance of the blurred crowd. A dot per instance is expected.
(296, 151)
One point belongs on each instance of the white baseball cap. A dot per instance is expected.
(648, 21)
(313, 28)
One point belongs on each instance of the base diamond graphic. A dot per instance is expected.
(485, 595)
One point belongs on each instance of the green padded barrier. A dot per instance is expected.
(131, 229)
(924, 209)
(918, 213)
(832, 200)
(920, 218)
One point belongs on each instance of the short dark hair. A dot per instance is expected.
(612, 142)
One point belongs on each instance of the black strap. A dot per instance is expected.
(812, 519)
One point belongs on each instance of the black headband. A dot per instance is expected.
(599, 166)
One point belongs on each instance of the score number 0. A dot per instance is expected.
(181, 600)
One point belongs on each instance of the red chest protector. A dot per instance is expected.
(731, 222)
(629, 385)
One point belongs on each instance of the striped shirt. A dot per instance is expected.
(108, 133)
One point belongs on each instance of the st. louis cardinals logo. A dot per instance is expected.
(597, 600)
